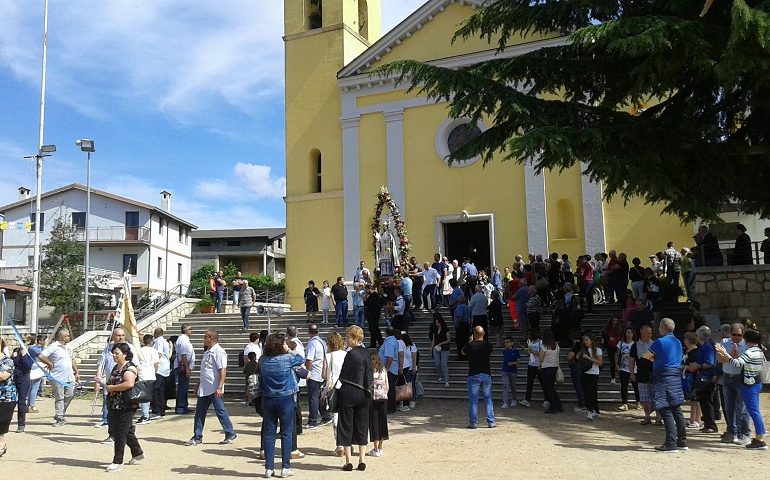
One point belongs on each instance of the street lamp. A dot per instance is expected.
(87, 146)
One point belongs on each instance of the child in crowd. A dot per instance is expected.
(378, 412)
(510, 361)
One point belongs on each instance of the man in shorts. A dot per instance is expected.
(641, 371)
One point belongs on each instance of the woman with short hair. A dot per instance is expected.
(355, 388)
(120, 413)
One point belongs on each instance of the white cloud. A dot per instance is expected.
(259, 180)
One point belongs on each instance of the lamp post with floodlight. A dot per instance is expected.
(87, 146)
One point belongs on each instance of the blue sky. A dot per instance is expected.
(177, 94)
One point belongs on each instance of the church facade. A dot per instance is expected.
(349, 133)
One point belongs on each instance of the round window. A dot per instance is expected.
(454, 134)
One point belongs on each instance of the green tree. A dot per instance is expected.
(657, 100)
(61, 283)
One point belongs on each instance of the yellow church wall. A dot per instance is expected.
(434, 40)
(316, 252)
(383, 98)
(432, 189)
(641, 230)
(373, 175)
(566, 230)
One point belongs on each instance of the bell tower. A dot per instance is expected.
(320, 37)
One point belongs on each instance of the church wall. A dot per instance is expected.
(564, 210)
(374, 174)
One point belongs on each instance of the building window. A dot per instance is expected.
(79, 220)
(565, 214)
(315, 171)
(160, 267)
(179, 270)
(181, 234)
(32, 221)
(454, 134)
(204, 243)
(280, 243)
(161, 222)
(315, 13)
(233, 243)
(363, 16)
(129, 263)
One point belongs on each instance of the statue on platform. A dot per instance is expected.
(386, 251)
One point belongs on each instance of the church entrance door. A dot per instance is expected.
(468, 239)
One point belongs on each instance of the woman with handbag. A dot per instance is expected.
(752, 362)
(355, 396)
(332, 367)
(549, 367)
(120, 412)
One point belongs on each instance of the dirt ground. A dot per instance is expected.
(429, 442)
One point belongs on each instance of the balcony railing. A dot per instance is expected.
(115, 234)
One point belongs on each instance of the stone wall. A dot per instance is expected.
(736, 292)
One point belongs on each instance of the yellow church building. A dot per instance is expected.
(348, 134)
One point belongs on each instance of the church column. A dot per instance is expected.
(593, 213)
(537, 221)
(351, 196)
(394, 135)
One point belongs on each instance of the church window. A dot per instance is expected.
(315, 13)
(363, 17)
(565, 219)
(454, 134)
(461, 135)
(315, 171)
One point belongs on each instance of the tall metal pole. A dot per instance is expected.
(87, 269)
(39, 175)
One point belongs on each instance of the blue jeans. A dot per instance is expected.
(219, 406)
(358, 315)
(341, 313)
(509, 387)
(182, 385)
(314, 401)
(104, 405)
(481, 382)
(429, 292)
(577, 384)
(736, 417)
(274, 410)
(751, 399)
(218, 300)
(245, 316)
(34, 387)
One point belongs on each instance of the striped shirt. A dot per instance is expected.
(534, 304)
(751, 363)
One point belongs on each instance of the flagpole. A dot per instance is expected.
(39, 176)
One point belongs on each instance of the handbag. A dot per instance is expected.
(140, 393)
(559, 376)
(764, 374)
(585, 364)
(332, 400)
(419, 390)
(404, 392)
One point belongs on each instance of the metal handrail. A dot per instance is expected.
(114, 234)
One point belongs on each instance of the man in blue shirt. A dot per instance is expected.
(389, 355)
(668, 397)
(470, 274)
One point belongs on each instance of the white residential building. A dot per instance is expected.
(147, 240)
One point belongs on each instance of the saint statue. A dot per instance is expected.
(386, 253)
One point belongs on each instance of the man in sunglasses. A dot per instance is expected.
(736, 417)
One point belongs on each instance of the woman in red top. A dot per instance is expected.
(612, 334)
(513, 286)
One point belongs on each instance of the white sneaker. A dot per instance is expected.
(135, 460)
(412, 404)
(546, 404)
(114, 467)
(504, 405)
(403, 409)
(286, 472)
(623, 407)
(269, 473)
(580, 410)
(374, 452)
(446, 384)
(513, 403)
(744, 440)
(612, 381)
(524, 403)
(591, 416)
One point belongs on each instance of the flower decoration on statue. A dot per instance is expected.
(382, 240)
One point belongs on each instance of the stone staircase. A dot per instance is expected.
(233, 340)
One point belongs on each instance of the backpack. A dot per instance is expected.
(380, 386)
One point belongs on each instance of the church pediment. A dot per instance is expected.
(426, 35)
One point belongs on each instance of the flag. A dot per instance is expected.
(127, 315)
(3, 225)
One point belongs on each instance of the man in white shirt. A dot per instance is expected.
(315, 355)
(210, 390)
(105, 366)
(362, 273)
(183, 365)
(64, 373)
(252, 346)
(164, 370)
(430, 282)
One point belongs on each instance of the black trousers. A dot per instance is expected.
(461, 338)
(532, 373)
(159, 395)
(590, 390)
(392, 378)
(611, 351)
(353, 420)
(533, 319)
(706, 400)
(22, 390)
(375, 336)
(6, 415)
(121, 428)
(624, 380)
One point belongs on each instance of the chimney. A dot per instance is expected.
(165, 201)
(24, 193)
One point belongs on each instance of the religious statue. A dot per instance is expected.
(386, 251)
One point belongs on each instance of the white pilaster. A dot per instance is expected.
(351, 195)
(593, 213)
(394, 137)
(537, 221)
